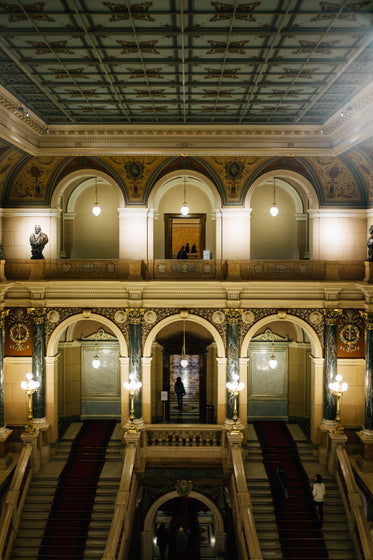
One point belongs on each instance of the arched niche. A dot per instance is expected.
(307, 374)
(286, 236)
(57, 384)
(83, 235)
(148, 532)
(166, 199)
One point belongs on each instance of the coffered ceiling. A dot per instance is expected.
(304, 67)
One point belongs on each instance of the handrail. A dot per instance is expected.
(14, 501)
(358, 524)
(247, 537)
(118, 540)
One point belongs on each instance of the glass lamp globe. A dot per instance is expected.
(273, 210)
(272, 362)
(96, 210)
(184, 362)
(96, 362)
(184, 210)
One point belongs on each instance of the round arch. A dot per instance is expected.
(294, 179)
(190, 317)
(76, 178)
(316, 347)
(148, 532)
(52, 347)
(174, 178)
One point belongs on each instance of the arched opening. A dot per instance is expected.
(206, 531)
(85, 235)
(201, 377)
(288, 391)
(82, 390)
(172, 230)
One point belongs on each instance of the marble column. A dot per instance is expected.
(233, 351)
(135, 345)
(3, 314)
(365, 460)
(330, 366)
(38, 361)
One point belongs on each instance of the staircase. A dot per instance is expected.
(335, 528)
(40, 497)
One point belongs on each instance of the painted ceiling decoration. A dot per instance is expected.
(346, 180)
(198, 62)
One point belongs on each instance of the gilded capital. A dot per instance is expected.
(332, 316)
(135, 315)
(368, 318)
(38, 314)
(233, 315)
(3, 315)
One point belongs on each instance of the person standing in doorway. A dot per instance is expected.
(180, 392)
(162, 540)
(318, 492)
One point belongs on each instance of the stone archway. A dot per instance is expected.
(148, 532)
(316, 357)
(52, 361)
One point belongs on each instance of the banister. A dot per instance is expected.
(355, 506)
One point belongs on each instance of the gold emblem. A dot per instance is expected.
(19, 333)
(350, 336)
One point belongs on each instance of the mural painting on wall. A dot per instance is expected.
(337, 181)
(18, 333)
(135, 173)
(234, 173)
(365, 169)
(32, 180)
(350, 333)
(7, 164)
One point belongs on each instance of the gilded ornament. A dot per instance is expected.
(184, 487)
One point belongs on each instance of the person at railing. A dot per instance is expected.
(318, 492)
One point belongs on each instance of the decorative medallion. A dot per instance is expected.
(315, 317)
(350, 336)
(53, 316)
(19, 333)
(150, 317)
(248, 317)
(120, 316)
(218, 317)
(184, 487)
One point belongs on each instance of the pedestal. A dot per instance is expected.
(35, 455)
(5, 457)
(37, 269)
(365, 459)
(325, 427)
(368, 272)
(335, 441)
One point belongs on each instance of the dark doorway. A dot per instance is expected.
(187, 232)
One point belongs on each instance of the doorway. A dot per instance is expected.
(184, 232)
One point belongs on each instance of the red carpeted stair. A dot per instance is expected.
(68, 522)
(298, 527)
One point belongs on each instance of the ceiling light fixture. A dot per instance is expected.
(96, 360)
(96, 210)
(273, 362)
(184, 210)
(274, 209)
(184, 360)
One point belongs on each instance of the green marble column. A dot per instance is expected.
(233, 352)
(135, 318)
(38, 360)
(368, 384)
(3, 314)
(330, 363)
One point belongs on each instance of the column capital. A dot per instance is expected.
(135, 315)
(3, 314)
(233, 315)
(368, 318)
(332, 316)
(38, 314)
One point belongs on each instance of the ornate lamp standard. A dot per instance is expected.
(132, 387)
(338, 388)
(29, 387)
(235, 387)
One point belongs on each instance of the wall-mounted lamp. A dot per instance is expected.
(96, 360)
(274, 208)
(96, 210)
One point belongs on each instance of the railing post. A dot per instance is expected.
(33, 439)
(336, 441)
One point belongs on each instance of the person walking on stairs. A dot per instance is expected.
(318, 492)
